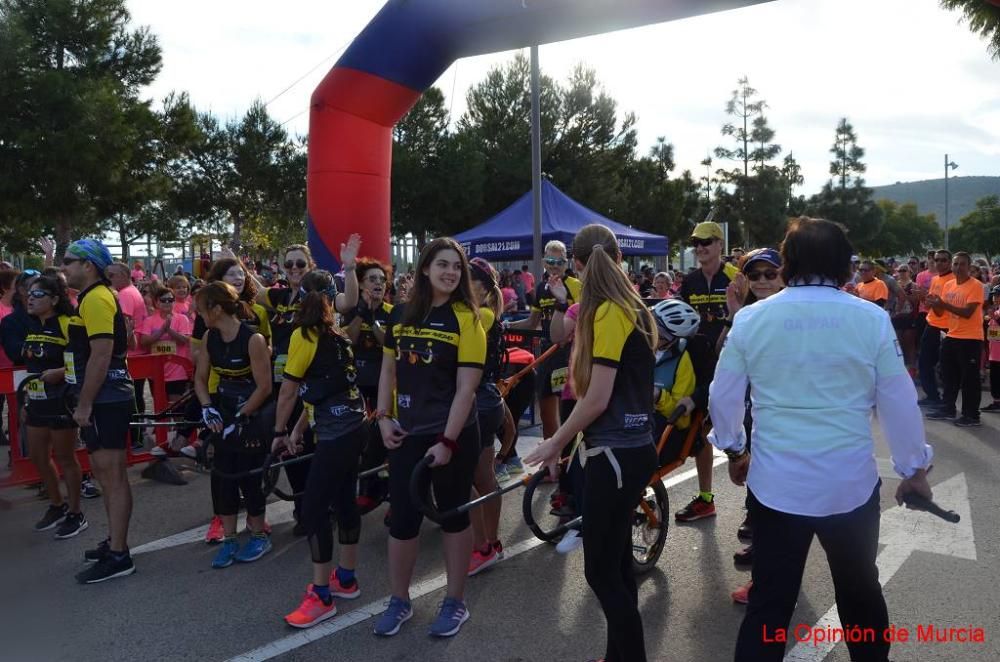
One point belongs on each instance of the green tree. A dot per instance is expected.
(847, 154)
(245, 173)
(848, 201)
(586, 148)
(73, 71)
(979, 230)
(791, 172)
(983, 17)
(904, 231)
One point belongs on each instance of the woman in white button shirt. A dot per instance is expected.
(819, 360)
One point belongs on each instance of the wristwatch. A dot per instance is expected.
(735, 455)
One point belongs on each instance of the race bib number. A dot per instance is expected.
(558, 379)
(993, 333)
(164, 347)
(279, 367)
(36, 390)
(70, 367)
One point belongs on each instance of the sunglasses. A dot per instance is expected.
(39, 294)
(942, 259)
(301, 264)
(555, 261)
(166, 299)
(769, 274)
(376, 279)
(70, 260)
(702, 242)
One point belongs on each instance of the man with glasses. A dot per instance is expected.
(937, 323)
(705, 290)
(96, 370)
(871, 288)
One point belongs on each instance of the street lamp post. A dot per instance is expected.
(948, 165)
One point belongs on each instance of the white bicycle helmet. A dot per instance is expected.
(676, 318)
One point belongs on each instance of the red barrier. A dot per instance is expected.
(146, 366)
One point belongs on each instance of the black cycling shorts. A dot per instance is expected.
(109, 426)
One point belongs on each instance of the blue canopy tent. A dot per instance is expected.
(508, 235)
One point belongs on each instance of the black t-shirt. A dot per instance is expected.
(545, 303)
(488, 395)
(618, 343)
(324, 368)
(98, 315)
(231, 362)
(428, 357)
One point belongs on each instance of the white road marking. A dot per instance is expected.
(302, 637)
(278, 512)
(904, 531)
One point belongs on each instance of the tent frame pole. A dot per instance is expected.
(536, 165)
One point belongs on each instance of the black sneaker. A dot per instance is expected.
(744, 556)
(993, 407)
(966, 422)
(52, 518)
(102, 550)
(88, 490)
(745, 532)
(939, 415)
(107, 568)
(72, 525)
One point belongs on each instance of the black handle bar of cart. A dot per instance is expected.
(919, 502)
(421, 494)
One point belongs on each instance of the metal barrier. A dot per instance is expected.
(145, 366)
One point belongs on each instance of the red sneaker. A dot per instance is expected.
(338, 590)
(366, 504)
(215, 532)
(481, 561)
(697, 509)
(741, 596)
(311, 611)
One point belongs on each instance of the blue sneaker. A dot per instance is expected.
(255, 548)
(515, 466)
(226, 554)
(397, 613)
(449, 620)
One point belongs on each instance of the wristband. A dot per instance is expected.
(450, 444)
(379, 414)
(561, 306)
(735, 455)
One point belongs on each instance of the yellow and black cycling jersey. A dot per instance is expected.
(545, 303)
(43, 350)
(618, 343)
(428, 357)
(98, 316)
(257, 321)
(488, 395)
(230, 361)
(709, 298)
(674, 377)
(284, 303)
(368, 350)
(324, 368)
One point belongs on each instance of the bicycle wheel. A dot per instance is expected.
(648, 538)
(546, 526)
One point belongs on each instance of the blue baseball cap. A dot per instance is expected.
(768, 255)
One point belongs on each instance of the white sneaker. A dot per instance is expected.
(570, 542)
(190, 451)
(157, 451)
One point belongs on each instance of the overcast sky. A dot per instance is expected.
(913, 81)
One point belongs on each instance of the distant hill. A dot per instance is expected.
(928, 195)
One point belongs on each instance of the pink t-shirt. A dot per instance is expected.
(132, 304)
(183, 308)
(924, 279)
(567, 394)
(993, 336)
(137, 275)
(528, 279)
(166, 344)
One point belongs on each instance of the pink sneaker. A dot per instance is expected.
(741, 596)
(215, 533)
(481, 561)
(311, 611)
(338, 590)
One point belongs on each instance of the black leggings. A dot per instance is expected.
(298, 473)
(518, 400)
(373, 454)
(333, 476)
(452, 483)
(607, 547)
(226, 491)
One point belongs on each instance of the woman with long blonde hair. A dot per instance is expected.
(613, 358)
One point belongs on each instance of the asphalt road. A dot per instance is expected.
(533, 606)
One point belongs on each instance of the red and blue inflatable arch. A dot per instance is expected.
(399, 54)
